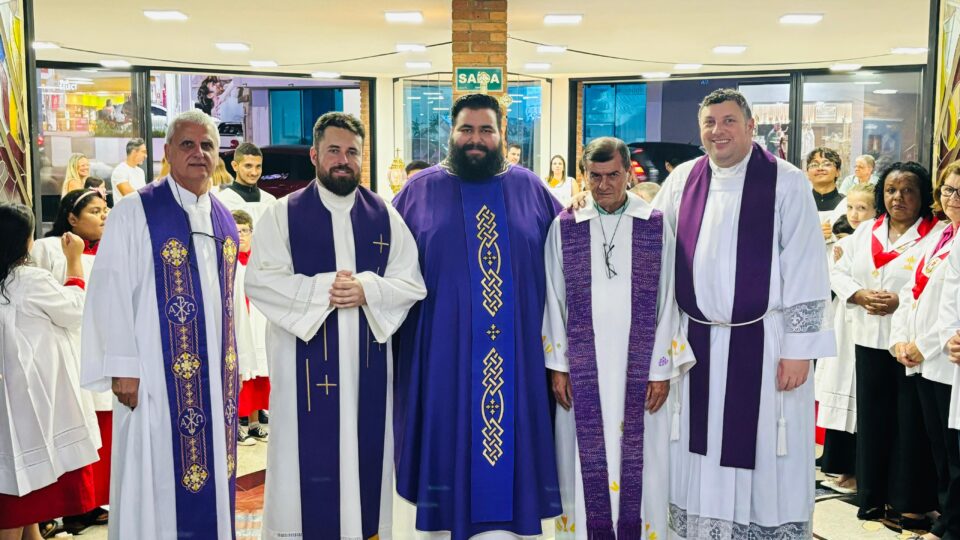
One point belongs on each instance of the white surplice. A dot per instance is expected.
(296, 306)
(46, 431)
(121, 338)
(233, 201)
(948, 322)
(612, 316)
(835, 381)
(775, 499)
(48, 254)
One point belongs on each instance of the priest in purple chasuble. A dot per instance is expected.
(334, 271)
(474, 446)
(609, 330)
(158, 331)
(754, 292)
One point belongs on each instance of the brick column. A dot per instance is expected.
(579, 130)
(366, 121)
(480, 36)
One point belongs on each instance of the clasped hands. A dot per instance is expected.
(347, 291)
(876, 302)
(908, 354)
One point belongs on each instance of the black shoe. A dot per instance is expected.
(258, 433)
(75, 524)
(264, 417)
(873, 514)
(916, 524)
(244, 422)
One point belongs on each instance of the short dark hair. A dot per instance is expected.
(842, 226)
(476, 102)
(242, 218)
(722, 95)
(92, 182)
(133, 144)
(416, 165)
(245, 149)
(923, 184)
(828, 154)
(603, 149)
(514, 145)
(340, 120)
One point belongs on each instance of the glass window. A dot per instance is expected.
(523, 121)
(770, 103)
(91, 112)
(615, 110)
(426, 120)
(861, 113)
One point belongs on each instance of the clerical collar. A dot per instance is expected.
(247, 193)
(616, 212)
(827, 201)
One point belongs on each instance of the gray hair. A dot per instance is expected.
(868, 159)
(603, 149)
(197, 118)
(133, 144)
(722, 95)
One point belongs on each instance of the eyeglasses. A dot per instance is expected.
(244, 231)
(820, 165)
(948, 192)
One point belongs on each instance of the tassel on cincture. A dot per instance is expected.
(781, 430)
(675, 426)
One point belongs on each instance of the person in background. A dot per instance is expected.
(78, 169)
(835, 380)
(244, 194)
(823, 169)
(514, 154)
(128, 177)
(893, 463)
(646, 190)
(560, 185)
(862, 173)
(220, 178)
(415, 166)
(164, 168)
(49, 438)
(670, 163)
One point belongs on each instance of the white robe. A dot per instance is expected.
(45, 431)
(776, 497)
(612, 322)
(48, 254)
(835, 381)
(948, 321)
(233, 201)
(296, 306)
(121, 338)
(251, 329)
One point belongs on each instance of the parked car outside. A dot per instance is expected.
(649, 158)
(286, 168)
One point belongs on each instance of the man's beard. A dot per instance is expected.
(471, 168)
(341, 186)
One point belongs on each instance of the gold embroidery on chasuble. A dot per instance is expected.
(491, 405)
(231, 375)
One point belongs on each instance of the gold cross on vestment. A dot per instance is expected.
(326, 384)
(381, 243)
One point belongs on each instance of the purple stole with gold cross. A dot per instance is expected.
(186, 360)
(318, 366)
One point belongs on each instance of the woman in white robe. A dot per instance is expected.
(46, 442)
(893, 455)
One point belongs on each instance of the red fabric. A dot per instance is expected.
(820, 433)
(254, 395)
(881, 257)
(243, 257)
(71, 495)
(101, 469)
(75, 282)
(920, 278)
(90, 248)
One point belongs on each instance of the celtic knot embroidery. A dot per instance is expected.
(489, 260)
(174, 253)
(492, 407)
(194, 478)
(186, 365)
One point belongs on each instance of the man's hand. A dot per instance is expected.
(347, 292)
(792, 374)
(827, 230)
(578, 201)
(562, 390)
(127, 390)
(953, 348)
(657, 392)
(908, 354)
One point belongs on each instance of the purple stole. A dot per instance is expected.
(318, 367)
(185, 357)
(645, 281)
(741, 408)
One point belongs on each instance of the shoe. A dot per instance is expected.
(48, 528)
(259, 433)
(873, 514)
(915, 524)
(244, 422)
(834, 484)
(75, 525)
(244, 438)
(264, 416)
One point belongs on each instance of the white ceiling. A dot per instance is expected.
(314, 35)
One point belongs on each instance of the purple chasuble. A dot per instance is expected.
(318, 366)
(646, 255)
(186, 358)
(741, 408)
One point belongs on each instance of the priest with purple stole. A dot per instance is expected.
(158, 331)
(753, 289)
(474, 443)
(609, 327)
(335, 272)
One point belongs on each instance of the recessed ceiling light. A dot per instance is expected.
(729, 49)
(404, 16)
(91, 70)
(908, 50)
(536, 66)
(38, 45)
(115, 63)
(419, 65)
(655, 75)
(801, 18)
(263, 63)
(551, 49)
(886, 91)
(866, 83)
(562, 19)
(164, 15)
(845, 67)
(441, 109)
(411, 47)
(682, 67)
(325, 75)
(233, 47)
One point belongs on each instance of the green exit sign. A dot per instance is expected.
(479, 79)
